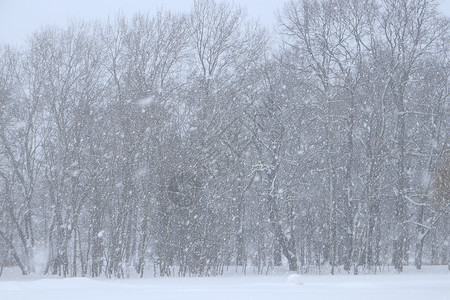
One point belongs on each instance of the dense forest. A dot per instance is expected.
(188, 144)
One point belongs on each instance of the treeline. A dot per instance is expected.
(189, 143)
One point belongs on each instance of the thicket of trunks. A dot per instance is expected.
(195, 143)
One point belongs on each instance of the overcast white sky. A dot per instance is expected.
(18, 18)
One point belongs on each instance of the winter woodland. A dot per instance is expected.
(189, 144)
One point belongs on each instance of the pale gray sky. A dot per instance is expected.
(19, 18)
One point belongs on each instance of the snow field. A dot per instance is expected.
(434, 286)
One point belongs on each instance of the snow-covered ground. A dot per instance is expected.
(431, 284)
